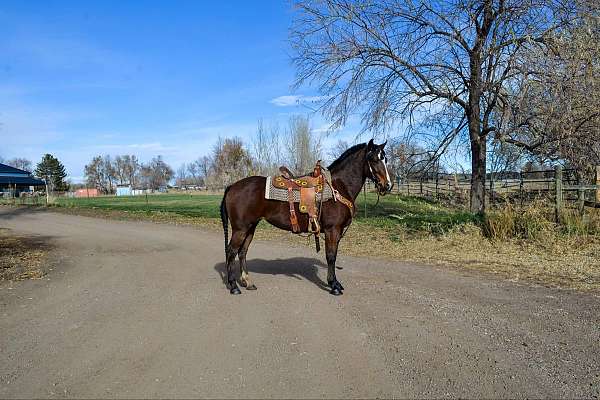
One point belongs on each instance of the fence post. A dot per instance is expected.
(491, 196)
(365, 197)
(558, 185)
(597, 183)
(437, 185)
(581, 200)
(421, 185)
(521, 187)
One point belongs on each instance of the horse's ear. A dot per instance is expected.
(383, 145)
(370, 145)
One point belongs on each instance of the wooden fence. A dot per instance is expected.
(561, 185)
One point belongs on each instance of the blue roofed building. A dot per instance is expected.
(15, 180)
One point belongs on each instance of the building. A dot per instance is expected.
(87, 193)
(14, 181)
(123, 190)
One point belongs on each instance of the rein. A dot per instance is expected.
(374, 180)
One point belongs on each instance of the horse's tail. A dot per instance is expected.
(225, 219)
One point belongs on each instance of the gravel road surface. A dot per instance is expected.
(136, 309)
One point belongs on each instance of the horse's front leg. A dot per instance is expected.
(332, 240)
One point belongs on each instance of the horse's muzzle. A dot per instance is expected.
(384, 189)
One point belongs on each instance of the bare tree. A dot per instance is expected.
(407, 60)
(554, 111)
(337, 149)
(109, 172)
(192, 171)
(505, 157)
(120, 167)
(132, 169)
(156, 174)
(103, 172)
(277, 147)
(303, 146)
(181, 176)
(21, 163)
(407, 159)
(95, 174)
(266, 149)
(231, 161)
(261, 149)
(204, 164)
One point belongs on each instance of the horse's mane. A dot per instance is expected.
(346, 154)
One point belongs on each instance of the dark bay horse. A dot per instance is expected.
(244, 204)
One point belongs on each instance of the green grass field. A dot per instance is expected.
(206, 206)
(393, 210)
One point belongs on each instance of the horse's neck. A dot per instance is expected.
(351, 175)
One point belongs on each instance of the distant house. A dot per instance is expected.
(87, 192)
(124, 190)
(15, 180)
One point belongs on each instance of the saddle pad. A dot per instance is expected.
(275, 193)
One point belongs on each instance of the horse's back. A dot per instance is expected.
(249, 183)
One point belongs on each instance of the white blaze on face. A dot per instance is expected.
(387, 174)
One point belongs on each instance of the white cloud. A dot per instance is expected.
(326, 129)
(295, 100)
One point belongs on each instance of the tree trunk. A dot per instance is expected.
(478, 164)
(478, 141)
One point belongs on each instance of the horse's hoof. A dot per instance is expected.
(251, 287)
(335, 292)
(235, 290)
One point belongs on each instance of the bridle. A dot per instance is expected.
(374, 178)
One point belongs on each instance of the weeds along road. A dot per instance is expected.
(132, 309)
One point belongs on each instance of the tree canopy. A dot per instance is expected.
(409, 61)
(51, 170)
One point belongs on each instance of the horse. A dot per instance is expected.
(244, 205)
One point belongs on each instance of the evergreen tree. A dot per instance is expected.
(53, 172)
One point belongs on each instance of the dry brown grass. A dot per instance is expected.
(560, 262)
(21, 257)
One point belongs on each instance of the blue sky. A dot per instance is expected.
(79, 78)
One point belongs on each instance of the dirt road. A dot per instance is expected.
(134, 309)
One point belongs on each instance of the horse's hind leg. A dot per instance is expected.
(332, 240)
(242, 256)
(236, 242)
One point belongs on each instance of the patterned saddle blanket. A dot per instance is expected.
(306, 191)
(276, 189)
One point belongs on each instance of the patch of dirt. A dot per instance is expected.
(22, 257)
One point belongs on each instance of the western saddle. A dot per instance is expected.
(309, 187)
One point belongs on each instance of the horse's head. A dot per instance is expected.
(377, 169)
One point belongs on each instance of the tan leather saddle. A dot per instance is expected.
(309, 186)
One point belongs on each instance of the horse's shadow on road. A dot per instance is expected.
(296, 267)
